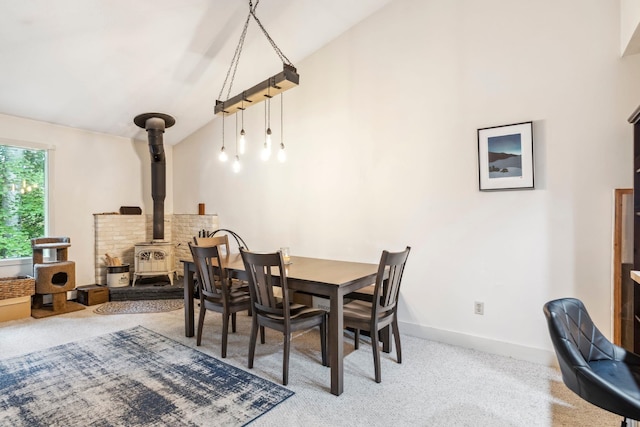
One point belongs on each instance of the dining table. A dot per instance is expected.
(331, 279)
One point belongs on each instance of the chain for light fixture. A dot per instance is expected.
(287, 65)
(252, 11)
(264, 90)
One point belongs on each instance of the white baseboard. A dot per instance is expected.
(502, 348)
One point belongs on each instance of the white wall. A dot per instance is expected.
(630, 26)
(381, 135)
(91, 173)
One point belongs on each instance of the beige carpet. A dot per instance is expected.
(437, 384)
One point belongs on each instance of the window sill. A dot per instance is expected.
(15, 261)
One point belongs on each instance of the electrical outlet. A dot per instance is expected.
(478, 307)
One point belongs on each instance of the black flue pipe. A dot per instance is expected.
(155, 124)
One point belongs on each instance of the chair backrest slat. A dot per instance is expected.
(207, 261)
(266, 271)
(220, 241)
(387, 290)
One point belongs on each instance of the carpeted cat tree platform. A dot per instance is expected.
(53, 278)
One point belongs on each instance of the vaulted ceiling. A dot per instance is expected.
(96, 64)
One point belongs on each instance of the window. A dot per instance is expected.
(22, 199)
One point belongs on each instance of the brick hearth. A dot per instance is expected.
(117, 234)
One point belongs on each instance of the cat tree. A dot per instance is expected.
(54, 277)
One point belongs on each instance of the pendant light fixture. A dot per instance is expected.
(266, 151)
(282, 156)
(266, 146)
(223, 155)
(262, 91)
(236, 161)
(243, 141)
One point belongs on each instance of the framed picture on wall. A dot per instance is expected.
(505, 157)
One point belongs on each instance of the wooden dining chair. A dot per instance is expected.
(221, 241)
(362, 294)
(215, 292)
(266, 271)
(239, 240)
(381, 311)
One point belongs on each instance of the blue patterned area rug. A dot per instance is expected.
(134, 377)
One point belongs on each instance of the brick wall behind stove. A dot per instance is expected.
(117, 235)
(185, 226)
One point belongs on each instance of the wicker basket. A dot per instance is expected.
(16, 287)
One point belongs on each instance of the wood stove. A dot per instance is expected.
(154, 259)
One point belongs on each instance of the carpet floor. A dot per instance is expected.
(437, 384)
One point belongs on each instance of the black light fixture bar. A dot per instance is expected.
(274, 85)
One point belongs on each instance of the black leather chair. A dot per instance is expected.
(597, 370)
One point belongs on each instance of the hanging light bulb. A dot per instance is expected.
(266, 149)
(282, 155)
(243, 141)
(268, 139)
(236, 161)
(222, 156)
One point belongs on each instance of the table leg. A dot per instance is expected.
(188, 301)
(336, 344)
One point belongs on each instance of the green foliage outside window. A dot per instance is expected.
(22, 199)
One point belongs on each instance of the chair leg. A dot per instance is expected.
(262, 337)
(375, 346)
(252, 342)
(285, 359)
(396, 338)
(200, 324)
(356, 339)
(225, 333)
(233, 323)
(384, 335)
